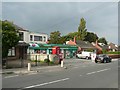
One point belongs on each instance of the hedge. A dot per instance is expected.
(113, 52)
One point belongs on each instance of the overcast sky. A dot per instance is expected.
(45, 17)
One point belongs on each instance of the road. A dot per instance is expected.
(79, 74)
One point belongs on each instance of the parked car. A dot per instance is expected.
(84, 55)
(103, 58)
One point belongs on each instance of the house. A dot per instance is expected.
(82, 45)
(113, 47)
(100, 47)
(21, 50)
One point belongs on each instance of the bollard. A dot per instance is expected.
(62, 63)
(29, 66)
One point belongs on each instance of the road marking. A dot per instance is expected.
(103, 70)
(91, 73)
(38, 85)
(11, 76)
(98, 71)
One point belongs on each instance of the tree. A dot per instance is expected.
(55, 37)
(69, 36)
(72, 35)
(82, 31)
(102, 40)
(9, 37)
(91, 37)
(62, 40)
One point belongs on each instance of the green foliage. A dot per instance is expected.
(82, 31)
(81, 34)
(54, 37)
(9, 37)
(117, 52)
(91, 37)
(72, 35)
(102, 40)
(68, 37)
(104, 51)
(46, 60)
(89, 50)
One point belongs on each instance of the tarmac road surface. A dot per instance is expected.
(78, 74)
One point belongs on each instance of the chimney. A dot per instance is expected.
(74, 39)
(96, 42)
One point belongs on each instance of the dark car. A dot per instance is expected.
(103, 58)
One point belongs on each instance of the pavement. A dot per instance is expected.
(33, 69)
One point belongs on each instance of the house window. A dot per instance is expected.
(44, 39)
(37, 38)
(31, 37)
(21, 34)
(11, 52)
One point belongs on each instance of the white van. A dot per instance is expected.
(84, 54)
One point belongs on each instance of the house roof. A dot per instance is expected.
(104, 47)
(112, 46)
(84, 44)
(71, 43)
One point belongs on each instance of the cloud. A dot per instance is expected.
(60, 0)
(44, 17)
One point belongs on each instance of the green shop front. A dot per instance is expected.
(68, 51)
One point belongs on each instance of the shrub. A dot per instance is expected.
(117, 52)
(104, 51)
(46, 60)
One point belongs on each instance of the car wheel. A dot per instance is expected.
(109, 60)
(87, 58)
(104, 61)
(96, 61)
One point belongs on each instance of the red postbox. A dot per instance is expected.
(56, 50)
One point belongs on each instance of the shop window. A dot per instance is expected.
(11, 52)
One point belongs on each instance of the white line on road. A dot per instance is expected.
(38, 85)
(104, 70)
(98, 71)
(91, 73)
(11, 76)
